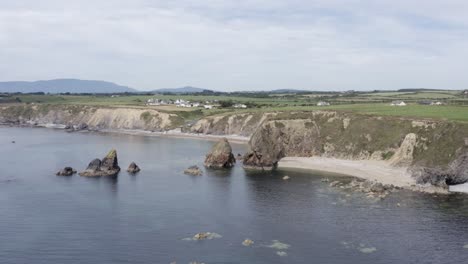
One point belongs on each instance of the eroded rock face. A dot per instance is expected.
(133, 168)
(107, 167)
(456, 173)
(220, 155)
(459, 170)
(67, 171)
(404, 154)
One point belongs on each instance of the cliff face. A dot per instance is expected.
(401, 142)
(92, 117)
(231, 124)
(435, 151)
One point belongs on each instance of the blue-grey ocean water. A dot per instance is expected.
(46, 219)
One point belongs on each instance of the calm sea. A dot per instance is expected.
(46, 219)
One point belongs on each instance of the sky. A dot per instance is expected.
(239, 44)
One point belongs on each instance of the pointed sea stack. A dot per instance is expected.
(133, 168)
(220, 155)
(109, 166)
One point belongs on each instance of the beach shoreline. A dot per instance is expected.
(236, 139)
(176, 134)
(371, 170)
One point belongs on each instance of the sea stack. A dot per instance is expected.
(133, 168)
(109, 166)
(220, 155)
(67, 171)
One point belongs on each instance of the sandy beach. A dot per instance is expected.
(177, 134)
(365, 169)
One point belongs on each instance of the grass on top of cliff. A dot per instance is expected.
(443, 112)
(453, 111)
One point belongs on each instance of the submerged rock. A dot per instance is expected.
(67, 171)
(334, 183)
(366, 250)
(203, 236)
(247, 242)
(133, 168)
(276, 244)
(220, 155)
(81, 126)
(193, 170)
(256, 160)
(107, 167)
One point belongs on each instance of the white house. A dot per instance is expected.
(398, 103)
(322, 103)
(153, 101)
(208, 106)
(240, 106)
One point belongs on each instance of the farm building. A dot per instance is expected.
(398, 103)
(321, 103)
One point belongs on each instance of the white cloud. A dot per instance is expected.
(232, 45)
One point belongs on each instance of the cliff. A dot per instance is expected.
(88, 116)
(231, 124)
(434, 151)
(429, 148)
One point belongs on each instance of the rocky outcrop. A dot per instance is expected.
(133, 168)
(67, 171)
(456, 173)
(76, 117)
(243, 124)
(436, 148)
(220, 155)
(193, 170)
(107, 167)
(403, 156)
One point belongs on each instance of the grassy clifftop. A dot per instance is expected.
(401, 141)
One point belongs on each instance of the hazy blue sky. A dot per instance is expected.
(239, 44)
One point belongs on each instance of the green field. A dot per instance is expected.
(455, 108)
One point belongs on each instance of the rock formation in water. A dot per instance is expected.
(220, 155)
(456, 173)
(193, 170)
(107, 167)
(67, 171)
(133, 168)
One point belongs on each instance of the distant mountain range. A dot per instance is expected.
(287, 91)
(64, 86)
(186, 89)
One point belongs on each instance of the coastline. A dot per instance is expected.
(137, 132)
(177, 134)
(371, 170)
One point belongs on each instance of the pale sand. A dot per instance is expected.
(366, 169)
(459, 188)
(176, 134)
